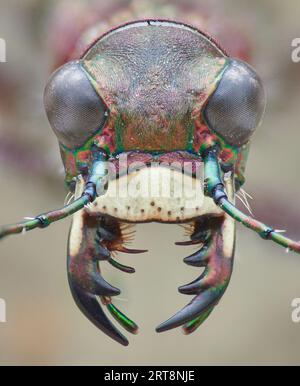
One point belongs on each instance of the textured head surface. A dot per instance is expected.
(155, 77)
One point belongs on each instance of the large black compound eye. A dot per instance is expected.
(237, 106)
(74, 109)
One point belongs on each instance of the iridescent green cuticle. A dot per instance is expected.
(190, 137)
(191, 326)
(119, 128)
(45, 219)
(212, 173)
(124, 321)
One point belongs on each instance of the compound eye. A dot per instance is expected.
(237, 106)
(74, 109)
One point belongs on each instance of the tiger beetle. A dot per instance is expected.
(162, 91)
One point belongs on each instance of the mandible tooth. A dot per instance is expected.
(194, 309)
(200, 258)
(101, 287)
(90, 307)
(196, 286)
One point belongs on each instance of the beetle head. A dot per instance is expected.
(153, 86)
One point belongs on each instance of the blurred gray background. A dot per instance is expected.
(251, 325)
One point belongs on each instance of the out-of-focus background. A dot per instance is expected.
(252, 324)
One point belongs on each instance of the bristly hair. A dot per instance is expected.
(123, 234)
